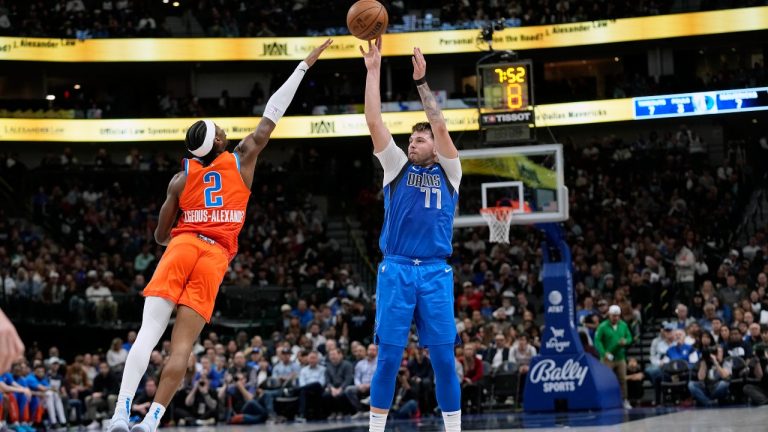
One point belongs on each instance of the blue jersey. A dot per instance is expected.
(419, 205)
(7, 378)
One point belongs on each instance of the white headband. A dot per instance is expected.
(207, 145)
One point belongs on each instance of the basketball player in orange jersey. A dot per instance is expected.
(206, 201)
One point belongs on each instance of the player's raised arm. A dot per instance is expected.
(169, 212)
(443, 139)
(252, 145)
(379, 132)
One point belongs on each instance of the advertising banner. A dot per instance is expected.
(396, 44)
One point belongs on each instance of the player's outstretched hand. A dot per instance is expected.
(11, 348)
(373, 56)
(315, 54)
(419, 64)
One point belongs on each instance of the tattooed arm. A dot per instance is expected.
(443, 141)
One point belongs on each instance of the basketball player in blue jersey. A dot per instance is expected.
(420, 194)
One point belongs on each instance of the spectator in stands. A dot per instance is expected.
(736, 347)
(611, 339)
(339, 374)
(731, 293)
(658, 358)
(101, 402)
(364, 370)
(143, 260)
(421, 373)
(303, 313)
(685, 264)
(753, 337)
(682, 320)
(712, 385)
(117, 355)
(757, 392)
(681, 350)
(100, 299)
(500, 354)
(143, 400)
(311, 384)
(472, 366)
(709, 315)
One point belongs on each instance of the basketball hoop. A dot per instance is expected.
(499, 219)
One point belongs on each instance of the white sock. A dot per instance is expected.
(452, 421)
(154, 415)
(377, 422)
(123, 406)
(157, 312)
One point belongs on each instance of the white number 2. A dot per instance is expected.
(428, 197)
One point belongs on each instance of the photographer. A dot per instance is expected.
(241, 399)
(713, 375)
(200, 405)
(758, 393)
(405, 403)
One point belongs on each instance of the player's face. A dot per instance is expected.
(220, 142)
(421, 148)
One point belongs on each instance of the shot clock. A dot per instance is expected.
(505, 101)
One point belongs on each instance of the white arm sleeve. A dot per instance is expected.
(392, 159)
(278, 103)
(452, 168)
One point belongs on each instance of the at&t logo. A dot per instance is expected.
(555, 302)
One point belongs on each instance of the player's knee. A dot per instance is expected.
(389, 359)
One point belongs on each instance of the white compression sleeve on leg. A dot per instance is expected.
(157, 313)
(278, 103)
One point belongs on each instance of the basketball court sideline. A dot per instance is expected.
(737, 419)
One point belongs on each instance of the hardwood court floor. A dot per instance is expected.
(746, 419)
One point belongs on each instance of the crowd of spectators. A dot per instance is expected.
(649, 231)
(84, 19)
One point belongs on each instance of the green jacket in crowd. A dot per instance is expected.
(607, 339)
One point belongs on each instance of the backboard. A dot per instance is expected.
(533, 175)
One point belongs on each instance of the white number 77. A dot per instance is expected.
(428, 195)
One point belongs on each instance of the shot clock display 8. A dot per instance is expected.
(505, 100)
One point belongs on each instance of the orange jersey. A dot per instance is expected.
(214, 201)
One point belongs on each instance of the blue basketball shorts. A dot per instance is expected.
(410, 289)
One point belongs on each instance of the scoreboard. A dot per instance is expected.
(690, 104)
(505, 101)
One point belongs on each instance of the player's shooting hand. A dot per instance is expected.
(315, 54)
(419, 64)
(11, 348)
(373, 56)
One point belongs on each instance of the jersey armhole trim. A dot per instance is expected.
(397, 178)
(186, 166)
(237, 160)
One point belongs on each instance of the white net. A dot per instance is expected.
(498, 220)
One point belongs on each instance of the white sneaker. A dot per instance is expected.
(366, 401)
(118, 424)
(94, 425)
(361, 415)
(627, 405)
(141, 427)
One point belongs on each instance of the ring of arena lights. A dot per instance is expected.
(436, 42)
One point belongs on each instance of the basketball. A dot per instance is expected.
(367, 19)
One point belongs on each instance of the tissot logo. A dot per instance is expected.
(322, 127)
(275, 49)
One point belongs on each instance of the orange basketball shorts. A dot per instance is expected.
(190, 273)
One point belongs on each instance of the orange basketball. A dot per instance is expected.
(367, 19)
